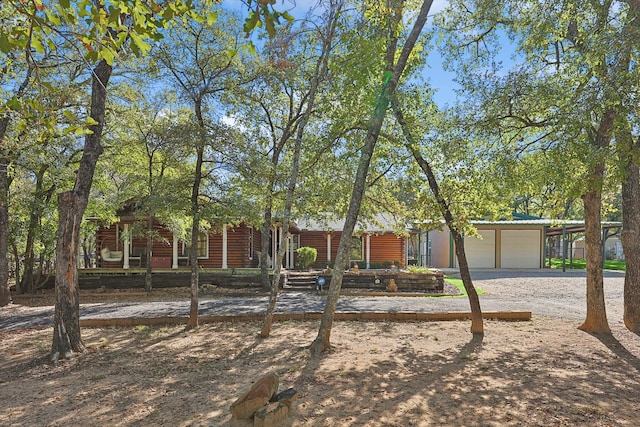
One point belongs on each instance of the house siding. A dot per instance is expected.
(317, 240)
(388, 247)
(385, 247)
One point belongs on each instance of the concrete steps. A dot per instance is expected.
(299, 281)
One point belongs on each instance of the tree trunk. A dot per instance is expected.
(390, 82)
(264, 245)
(28, 279)
(66, 328)
(630, 236)
(596, 321)
(193, 261)
(267, 322)
(319, 75)
(148, 277)
(477, 323)
(193, 252)
(5, 182)
(16, 272)
(282, 247)
(5, 294)
(71, 207)
(27, 283)
(195, 229)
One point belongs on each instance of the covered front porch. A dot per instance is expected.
(226, 247)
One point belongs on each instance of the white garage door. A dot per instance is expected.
(520, 248)
(481, 253)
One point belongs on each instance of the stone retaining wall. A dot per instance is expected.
(377, 280)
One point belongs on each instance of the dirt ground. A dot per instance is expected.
(542, 372)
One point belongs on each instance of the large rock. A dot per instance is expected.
(256, 397)
(287, 397)
(272, 415)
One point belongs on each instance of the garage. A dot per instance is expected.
(520, 248)
(481, 253)
(517, 243)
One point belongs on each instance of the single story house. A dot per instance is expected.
(520, 242)
(238, 246)
(374, 244)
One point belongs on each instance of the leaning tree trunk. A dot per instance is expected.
(282, 247)
(477, 324)
(267, 322)
(321, 71)
(71, 207)
(391, 79)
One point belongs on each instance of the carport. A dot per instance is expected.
(567, 231)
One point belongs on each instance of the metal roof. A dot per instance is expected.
(381, 223)
(554, 226)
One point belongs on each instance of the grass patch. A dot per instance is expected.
(458, 284)
(581, 264)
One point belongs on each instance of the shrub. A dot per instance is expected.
(306, 256)
(383, 265)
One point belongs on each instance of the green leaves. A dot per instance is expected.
(263, 13)
(5, 44)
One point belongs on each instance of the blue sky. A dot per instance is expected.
(441, 80)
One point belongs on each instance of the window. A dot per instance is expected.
(413, 249)
(202, 246)
(357, 247)
(250, 242)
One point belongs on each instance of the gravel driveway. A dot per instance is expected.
(544, 292)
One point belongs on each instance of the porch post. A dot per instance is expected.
(175, 252)
(287, 251)
(328, 246)
(424, 249)
(277, 241)
(367, 240)
(127, 241)
(292, 250)
(224, 246)
(405, 261)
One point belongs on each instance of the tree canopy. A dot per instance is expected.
(290, 122)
